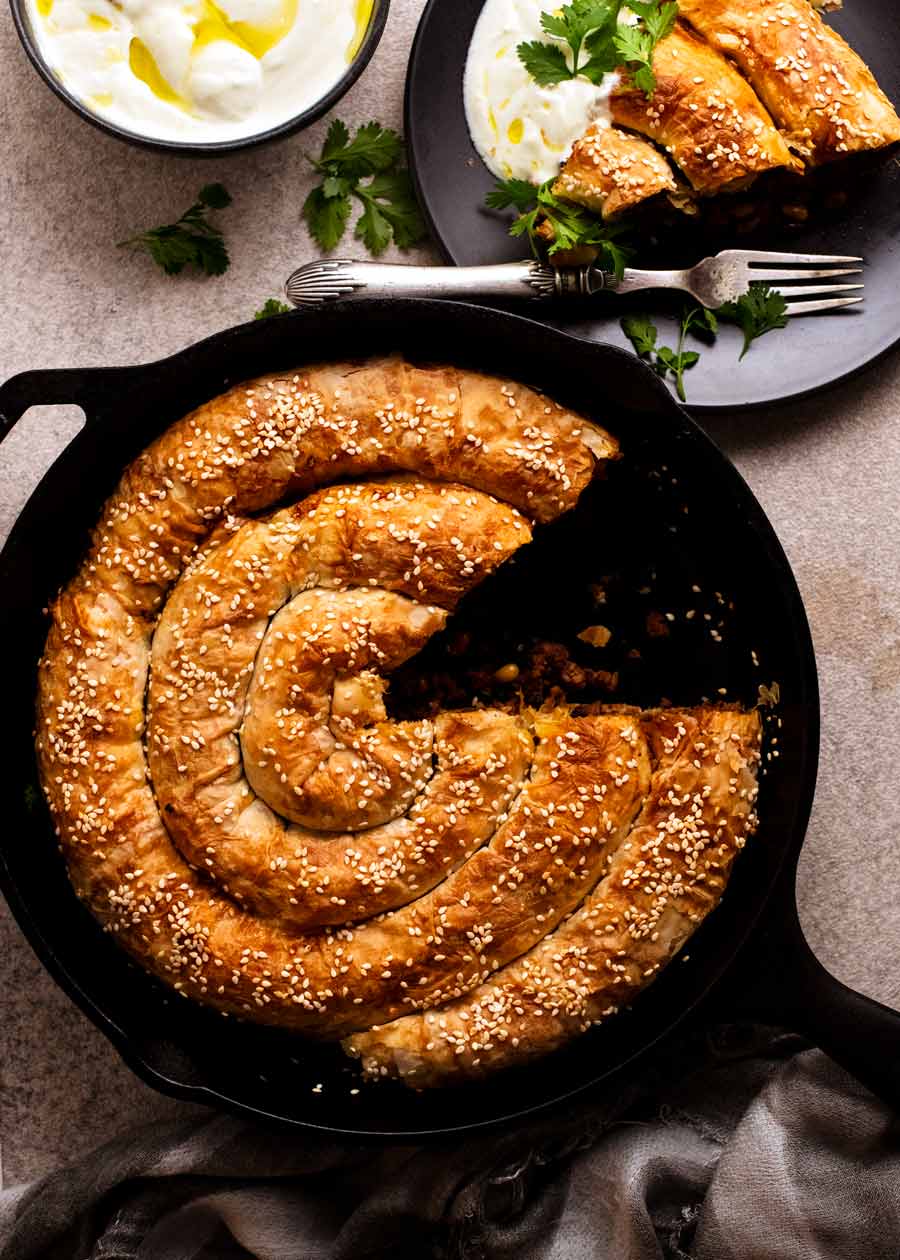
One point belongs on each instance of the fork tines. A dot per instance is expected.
(775, 268)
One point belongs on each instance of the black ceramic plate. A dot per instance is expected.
(811, 353)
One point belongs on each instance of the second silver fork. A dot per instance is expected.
(714, 281)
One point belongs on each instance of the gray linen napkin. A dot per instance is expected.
(761, 1150)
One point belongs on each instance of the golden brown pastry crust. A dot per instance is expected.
(704, 114)
(267, 735)
(662, 881)
(819, 91)
(610, 172)
(261, 443)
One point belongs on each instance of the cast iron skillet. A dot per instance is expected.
(451, 183)
(672, 515)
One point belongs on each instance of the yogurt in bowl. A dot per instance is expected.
(198, 71)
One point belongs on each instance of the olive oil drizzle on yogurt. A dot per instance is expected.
(198, 30)
(362, 17)
(143, 66)
(212, 25)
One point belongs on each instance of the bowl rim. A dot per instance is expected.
(214, 148)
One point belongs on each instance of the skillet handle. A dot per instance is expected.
(87, 388)
(859, 1033)
(784, 983)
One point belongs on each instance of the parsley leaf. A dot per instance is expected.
(191, 241)
(336, 140)
(617, 256)
(326, 217)
(640, 332)
(546, 63)
(635, 47)
(389, 209)
(271, 307)
(603, 56)
(373, 228)
(756, 312)
(574, 22)
(571, 227)
(658, 18)
(373, 148)
(391, 196)
(519, 193)
(336, 186)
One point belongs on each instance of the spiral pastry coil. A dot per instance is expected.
(234, 801)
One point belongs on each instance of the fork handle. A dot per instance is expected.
(329, 279)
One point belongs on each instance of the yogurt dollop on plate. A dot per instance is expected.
(521, 130)
(199, 71)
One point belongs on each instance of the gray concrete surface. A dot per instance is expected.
(826, 471)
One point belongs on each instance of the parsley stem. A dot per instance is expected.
(679, 371)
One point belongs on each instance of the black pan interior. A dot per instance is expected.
(671, 530)
(854, 209)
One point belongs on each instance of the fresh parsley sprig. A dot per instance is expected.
(756, 312)
(271, 306)
(597, 41)
(635, 44)
(572, 227)
(191, 241)
(369, 168)
(586, 27)
(643, 336)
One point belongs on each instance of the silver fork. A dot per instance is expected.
(712, 282)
